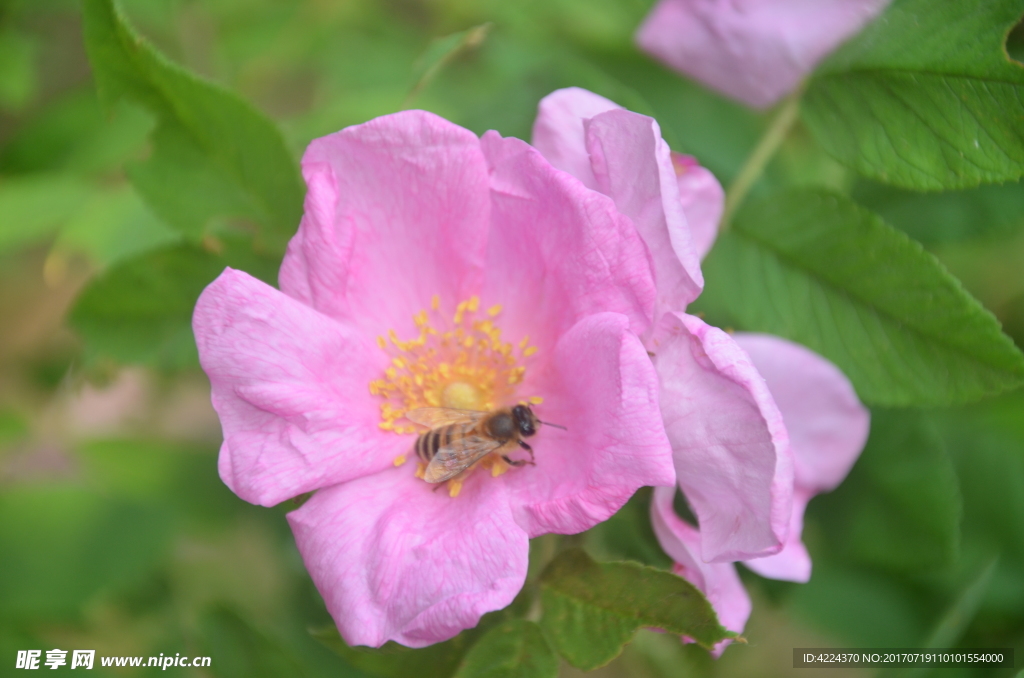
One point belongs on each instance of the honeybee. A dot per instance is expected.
(457, 439)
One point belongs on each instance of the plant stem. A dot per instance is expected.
(762, 153)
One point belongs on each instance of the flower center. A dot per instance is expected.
(458, 362)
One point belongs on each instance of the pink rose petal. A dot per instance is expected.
(703, 201)
(632, 165)
(602, 387)
(397, 211)
(828, 426)
(729, 444)
(395, 560)
(717, 581)
(755, 51)
(290, 387)
(558, 251)
(793, 562)
(558, 131)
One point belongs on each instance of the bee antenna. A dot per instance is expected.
(548, 423)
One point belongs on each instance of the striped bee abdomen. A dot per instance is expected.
(430, 442)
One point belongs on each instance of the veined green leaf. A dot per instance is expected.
(926, 97)
(214, 155)
(816, 268)
(514, 649)
(591, 610)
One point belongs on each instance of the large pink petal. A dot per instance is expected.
(703, 201)
(792, 563)
(558, 130)
(827, 424)
(752, 50)
(395, 560)
(291, 388)
(600, 384)
(730, 446)
(717, 581)
(632, 165)
(558, 251)
(397, 211)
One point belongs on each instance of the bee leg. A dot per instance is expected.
(528, 449)
(516, 462)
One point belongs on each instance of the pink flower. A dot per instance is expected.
(730, 447)
(726, 401)
(827, 427)
(755, 51)
(434, 268)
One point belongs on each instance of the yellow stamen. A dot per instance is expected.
(458, 361)
(420, 469)
(454, 487)
(535, 400)
(399, 460)
(499, 467)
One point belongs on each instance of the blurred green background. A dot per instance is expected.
(116, 533)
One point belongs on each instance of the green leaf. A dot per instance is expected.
(141, 310)
(397, 661)
(31, 208)
(515, 649)
(73, 133)
(901, 506)
(591, 610)
(818, 269)
(926, 97)
(953, 216)
(214, 155)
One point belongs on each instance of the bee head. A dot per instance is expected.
(525, 420)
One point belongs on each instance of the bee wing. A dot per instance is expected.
(434, 417)
(453, 459)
